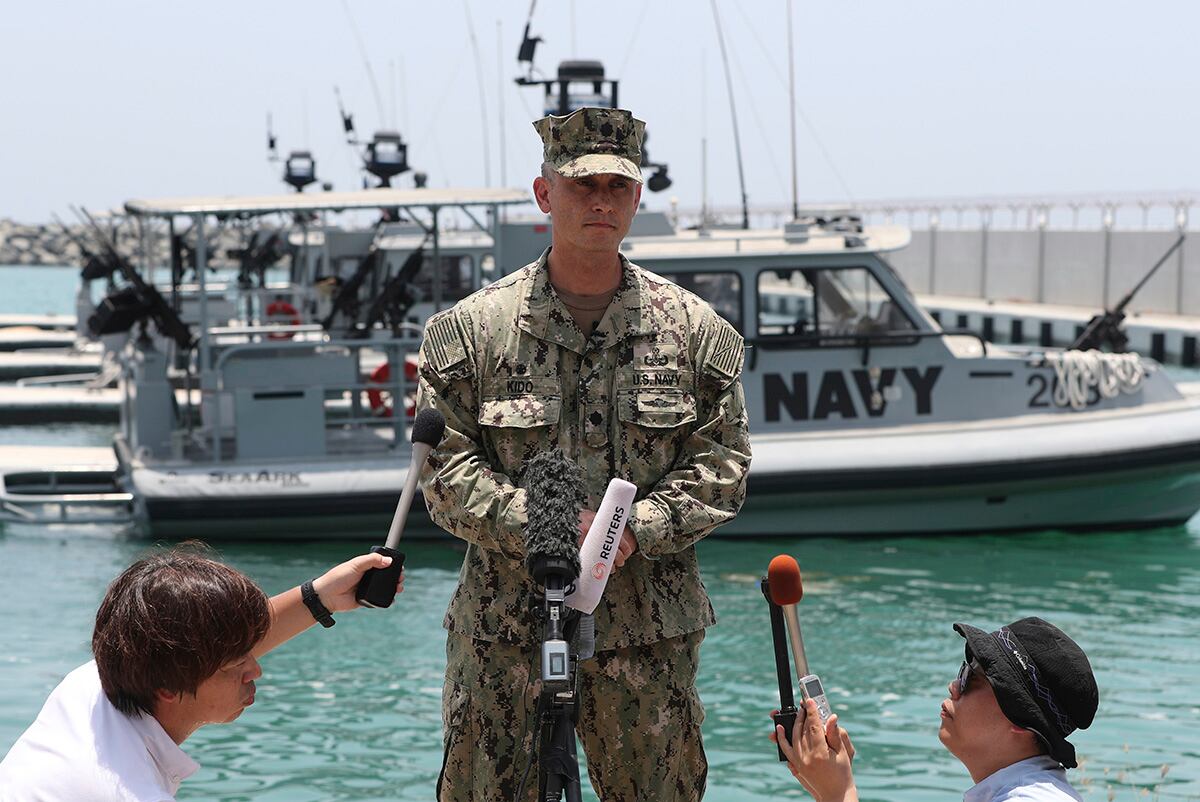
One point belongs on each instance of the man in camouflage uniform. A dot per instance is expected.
(631, 376)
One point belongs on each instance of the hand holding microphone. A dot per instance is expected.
(783, 590)
(378, 586)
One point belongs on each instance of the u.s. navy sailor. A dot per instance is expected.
(631, 376)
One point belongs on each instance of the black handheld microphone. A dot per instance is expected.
(377, 588)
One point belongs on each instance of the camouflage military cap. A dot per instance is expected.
(591, 141)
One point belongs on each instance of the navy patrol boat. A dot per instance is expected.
(283, 427)
(867, 417)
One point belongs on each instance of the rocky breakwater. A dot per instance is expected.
(48, 244)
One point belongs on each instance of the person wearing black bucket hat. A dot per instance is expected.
(1021, 690)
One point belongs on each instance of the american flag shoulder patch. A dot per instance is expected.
(443, 344)
(725, 355)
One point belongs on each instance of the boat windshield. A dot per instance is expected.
(457, 277)
(722, 290)
(826, 304)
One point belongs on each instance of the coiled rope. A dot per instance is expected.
(1077, 372)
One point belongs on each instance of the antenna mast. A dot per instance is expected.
(737, 140)
(792, 107)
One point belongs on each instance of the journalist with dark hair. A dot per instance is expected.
(1021, 690)
(176, 645)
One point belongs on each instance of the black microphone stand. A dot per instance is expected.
(558, 761)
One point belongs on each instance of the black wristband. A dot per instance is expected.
(313, 602)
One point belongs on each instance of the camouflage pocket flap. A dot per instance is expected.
(657, 408)
(520, 412)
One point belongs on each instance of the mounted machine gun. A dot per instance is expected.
(137, 302)
(1105, 329)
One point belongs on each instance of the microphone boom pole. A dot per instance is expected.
(377, 588)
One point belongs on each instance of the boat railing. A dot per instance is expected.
(333, 369)
(865, 341)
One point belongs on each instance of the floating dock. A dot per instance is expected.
(16, 365)
(49, 322)
(45, 458)
(15, 338)
(58, 404)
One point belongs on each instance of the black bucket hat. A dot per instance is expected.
(1042, 680)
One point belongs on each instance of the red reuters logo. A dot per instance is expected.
(598, 571)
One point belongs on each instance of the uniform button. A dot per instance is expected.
(596, 418)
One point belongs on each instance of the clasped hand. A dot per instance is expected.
(625, 548)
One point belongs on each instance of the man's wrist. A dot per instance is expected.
(648, 525)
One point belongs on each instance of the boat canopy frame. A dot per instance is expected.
(432, 200)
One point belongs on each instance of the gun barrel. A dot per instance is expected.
(1120, 307)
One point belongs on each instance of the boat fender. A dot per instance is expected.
(285, 314)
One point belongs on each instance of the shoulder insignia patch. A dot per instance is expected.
(443, 344)
(725, 354)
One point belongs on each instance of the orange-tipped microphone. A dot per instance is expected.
(785, 592)
(783, 578)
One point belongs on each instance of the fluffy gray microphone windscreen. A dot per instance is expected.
(554, 496)
(429, 427)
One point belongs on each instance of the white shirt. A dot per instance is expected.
(1036, 779)
(80, 747)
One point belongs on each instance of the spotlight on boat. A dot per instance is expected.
(387, 156)
(420, 180)
(660, 180)
(300, 169)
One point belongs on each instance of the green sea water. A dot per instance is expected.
(42, 290)
(353, 713)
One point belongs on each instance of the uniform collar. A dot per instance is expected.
(544, 315)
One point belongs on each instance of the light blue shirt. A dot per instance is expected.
(1035, 779)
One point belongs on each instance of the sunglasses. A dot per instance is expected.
(964, 674)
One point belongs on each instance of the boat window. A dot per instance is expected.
(456, 278)
(723, 291)
(826, 303)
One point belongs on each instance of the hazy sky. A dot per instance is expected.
(104, 101)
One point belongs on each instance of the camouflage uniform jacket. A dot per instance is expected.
(653, 396)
